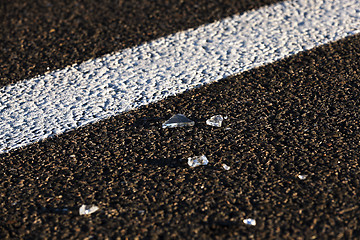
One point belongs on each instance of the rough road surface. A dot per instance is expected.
(296, 116)
(41, 35)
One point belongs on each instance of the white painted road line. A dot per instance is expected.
(37, 108)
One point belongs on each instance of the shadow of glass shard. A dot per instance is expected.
(215, 121)
(250, 221)
(226, 167)
(178, 120)
(197, 161)
(87, 209)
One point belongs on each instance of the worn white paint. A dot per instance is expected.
(37, 108)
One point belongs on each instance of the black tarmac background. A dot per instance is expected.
(41, 35)
(296, 116)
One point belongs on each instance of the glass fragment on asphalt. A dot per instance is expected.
(215, 121)
(87, 209)
(197, 161)
(178, 120)
(302, 177)
(250, 221)
(226, 167)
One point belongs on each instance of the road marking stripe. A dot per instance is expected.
(51, 104)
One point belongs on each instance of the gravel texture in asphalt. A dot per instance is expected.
(41, 35)
(84, 93)
(296, 116)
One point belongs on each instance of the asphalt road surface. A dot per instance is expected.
(296, 116)
(41, 35)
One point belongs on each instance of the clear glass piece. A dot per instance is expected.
(178, 120)
(197, 161)
(215, 121)
(87, 209)
(302, 177)
(226, 167)
(250, 221)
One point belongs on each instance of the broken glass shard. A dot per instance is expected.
(197, 161)
(215, 121)
(302, 177)
(226, 167)
(88, 209)
(178, 120)
(250, 221)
